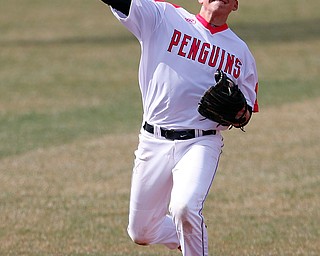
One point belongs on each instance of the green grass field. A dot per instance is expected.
(70, 112)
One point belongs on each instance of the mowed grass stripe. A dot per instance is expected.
(20, 133)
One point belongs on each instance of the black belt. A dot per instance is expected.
(178, 134)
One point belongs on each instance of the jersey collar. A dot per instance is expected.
(207, 25)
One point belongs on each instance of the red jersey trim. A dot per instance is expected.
(207, 25)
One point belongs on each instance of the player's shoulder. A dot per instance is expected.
(172, 10)
(167, 2)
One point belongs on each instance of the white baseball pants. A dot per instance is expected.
(170, 182)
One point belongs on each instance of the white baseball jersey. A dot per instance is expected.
(180, 54)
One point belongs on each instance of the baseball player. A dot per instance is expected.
(179, 148)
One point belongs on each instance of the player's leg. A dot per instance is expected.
(192, 178)
(150, 194)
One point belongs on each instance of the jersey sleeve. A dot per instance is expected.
(144, 17)
(249, 83)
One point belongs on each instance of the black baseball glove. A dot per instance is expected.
(224, 103)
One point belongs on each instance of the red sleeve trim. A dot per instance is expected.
(256, 105)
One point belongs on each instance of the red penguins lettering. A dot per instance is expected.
(204, 53)
(184, 42)
(194, 49)
(174, 40)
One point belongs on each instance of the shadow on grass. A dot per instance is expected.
(298, 30)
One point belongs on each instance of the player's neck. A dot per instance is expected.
(214, 20)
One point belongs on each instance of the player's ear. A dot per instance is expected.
(236, 5)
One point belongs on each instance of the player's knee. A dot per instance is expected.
(180, 212)
(185, 217)
(138, 236)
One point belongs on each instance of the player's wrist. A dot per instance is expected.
(243, 117)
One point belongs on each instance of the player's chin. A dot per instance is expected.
(218, 4)
(221, 1)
